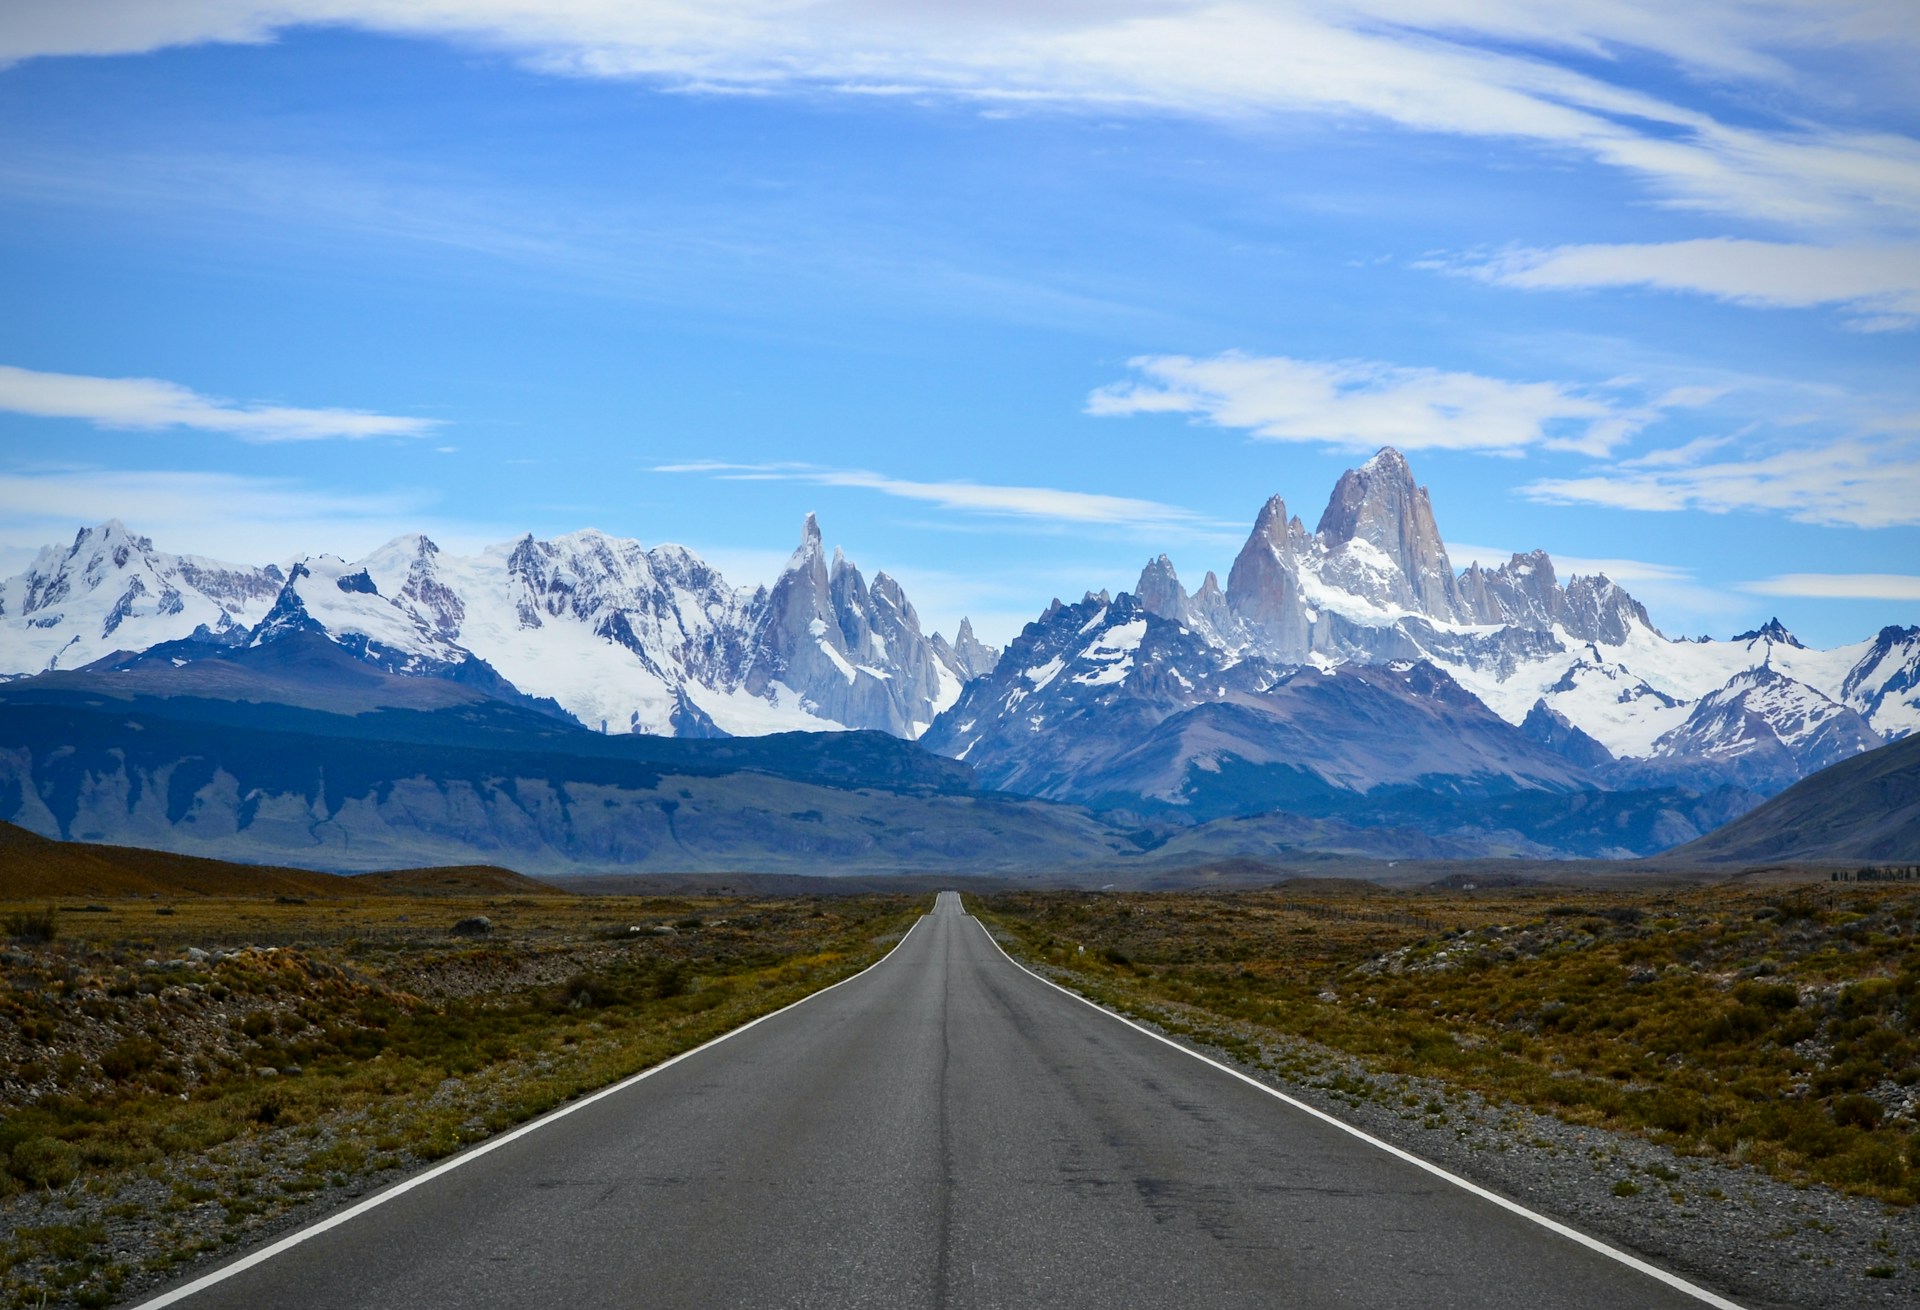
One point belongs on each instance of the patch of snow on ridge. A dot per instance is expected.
(839, 661)
(1117, 641)
(1042, 674)
(1370, 558)
(1113, 650)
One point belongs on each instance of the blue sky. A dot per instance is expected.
(1013, 302)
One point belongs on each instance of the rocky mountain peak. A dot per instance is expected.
(1772, 630)
(1159, 590)
(968, 656)
(1270, 528)
(1380, 504)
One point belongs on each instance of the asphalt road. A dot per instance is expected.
(944, 1130)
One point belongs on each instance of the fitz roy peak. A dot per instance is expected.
(624, 638)
(1170, 696)
(1373, 582)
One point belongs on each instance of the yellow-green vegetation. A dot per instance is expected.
(174, 1074)
(1777, 1027)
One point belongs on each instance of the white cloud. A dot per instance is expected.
(151, 403)
(1365, 403)
(226, 516)
(1864, 481)
(1469, 67)
(1839, 586)
(1048, 504)
(1877, 285)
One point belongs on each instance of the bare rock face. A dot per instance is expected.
(851, 653)
(1378, 505)
(1551, 729)
(1263, 587)
(1206, 612)
(966, 656)
(1522, 591)
(1159, 591)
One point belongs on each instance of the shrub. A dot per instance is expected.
(33, 925)
(43, 1162)
(130, 1058)
(1768, 996)
(671, 981)
(1856, 1112)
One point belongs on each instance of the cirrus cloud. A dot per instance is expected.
(1839, 586)
(150, 403)
(1036, 503)
(1366, 403)
(1878, 286)
(1551, 75)
(1864, 481)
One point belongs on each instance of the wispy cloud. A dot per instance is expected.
(1866, 481)
(1048, 504)
(1365, 403)
(1877, 286)
(1839, 586)
(1524, 69)
(229, 516)
(149, 403)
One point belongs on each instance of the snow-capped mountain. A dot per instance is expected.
(629, 638)
(846, 652)
(1105, 701)
(1578, 665)
(624, 638)
(111, 590)
(1764, 725)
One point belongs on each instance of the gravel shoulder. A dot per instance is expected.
(1761, 1241)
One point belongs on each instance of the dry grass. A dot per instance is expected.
(156, 1103)
(1779, 1027)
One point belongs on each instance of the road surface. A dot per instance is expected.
(944, 1130)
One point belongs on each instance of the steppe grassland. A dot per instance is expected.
(176, 1074)
(1777, 1027)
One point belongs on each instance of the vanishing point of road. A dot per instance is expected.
(944, 1130)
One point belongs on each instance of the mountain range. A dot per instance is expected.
(623, 638)
(1347, 688)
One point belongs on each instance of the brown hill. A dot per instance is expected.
(1866, 808)
(32, 866)
(452, 880)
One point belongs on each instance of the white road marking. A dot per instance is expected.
(313, 1230)
(1552, 1225)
